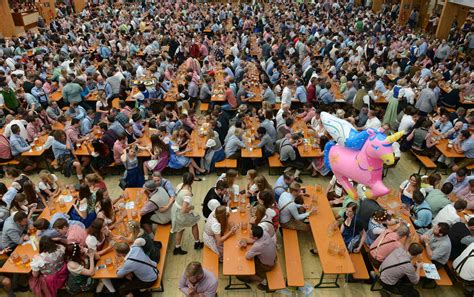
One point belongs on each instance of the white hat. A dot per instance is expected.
(213, 204)
(210, 143)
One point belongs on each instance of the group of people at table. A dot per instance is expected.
(123, 89)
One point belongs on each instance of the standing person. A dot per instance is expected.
(182, 215)
(263, 251)
(196, 281)
(137, 272)
(157, 210)
(397, 268)
(427, 100)
(133, 176)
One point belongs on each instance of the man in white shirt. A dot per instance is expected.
(287, 94)
(372, 121)
(9, 122)
(449, 213)
(464, 268)
(292, 213)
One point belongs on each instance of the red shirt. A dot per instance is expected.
(310, 93)
(230, 98)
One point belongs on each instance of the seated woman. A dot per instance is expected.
(49, 184)
(178, 159)
(160, 156)
(105, 210)
(84, 210)
(20, 203)
(214, 151)
(133, 176)
(377, 225)
(98, 235)
(80, 264)
(95, 182)
(352, 231)
(101, 156)
(48, 270)
(215, 230)
(263, 217)
(150, 247)
(408, 187)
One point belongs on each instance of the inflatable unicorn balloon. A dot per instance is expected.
(358, 156)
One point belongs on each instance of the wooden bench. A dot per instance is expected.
(226, 163)
(204, 107)
(11, 162)
(294, 268)
(162, 234)
(424, 162)
(470, 167)
(275, 278)
(361, 271)
(274, 162)
(210, 261)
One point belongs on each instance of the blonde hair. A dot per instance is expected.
(134, 228)
(94, 178)
(262, 183)
(45, 175)
(252, 173)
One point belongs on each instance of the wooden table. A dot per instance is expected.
(56, 96)
(197, 143)
(37, 148)
(251, 151)
(234, 259)
(110, 271)
(442, 146)
(320, 223)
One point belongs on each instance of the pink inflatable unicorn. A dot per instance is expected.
(365, 165)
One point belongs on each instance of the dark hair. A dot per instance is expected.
(470, 223)
(188, 178)
(461, 172)
(47, 245)
(267, 198)
(19, 216)
(74, 253)
(41, 224)
(84, 192)
(353, 206)
(418, 197)
(13, 171)
(257, 231)
(30, 192)
(107, 208)
(95, 229)
(221, 185)
(122, 248)
(99, 195)
(15, 129)
(443, 228)
(3, 189)
(60, 223)
(460, 204)
(447, 188)
(261, 130)
(415, 249)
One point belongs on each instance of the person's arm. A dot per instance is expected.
(412, 134)
(293, 208)
(186, 207)
(361, 242)
(169, 189)
(15, 236)
(16, 144)
(147, 208)
(91, 270)
(126, 268)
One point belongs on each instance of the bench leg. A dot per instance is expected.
(236, 286)
(428, 284)
(161, 288)
(332, 284)
(372, 287)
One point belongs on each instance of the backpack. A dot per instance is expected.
(5, 150)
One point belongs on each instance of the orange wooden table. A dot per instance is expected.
(320, 222)
(56, 96)
(197, 143)
(234, 260)
(10, 267)
(92, 96)
(36, 147)
(442, 146)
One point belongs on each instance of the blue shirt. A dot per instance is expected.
(86, 126)
(443, 127)
(379, 86)
(18, 145)
(457, 186)
(142, 271)
(301, 94)
(280, 187)
(467, 146)
(9, 195)
(424, 216)
(166, 184)
(59, 149)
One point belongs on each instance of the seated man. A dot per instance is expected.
(438, 199)
(459, 179)
(282, 184)
(14, 230)
(137, 272)
(217, 193)
(292, 210)
(386, 243)
(289, 155)
(464, 144)
(450, 213)
(157, 210)
(464, 268)
(397, 267)
(467, 194)
(196, 281)
(460, 234)
(437, 243)
(264, 252)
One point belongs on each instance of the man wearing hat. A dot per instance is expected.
(157, 210)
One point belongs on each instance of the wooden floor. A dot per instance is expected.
(312, 270)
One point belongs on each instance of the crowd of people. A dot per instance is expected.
(126, 82)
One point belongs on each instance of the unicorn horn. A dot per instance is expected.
(394, 137)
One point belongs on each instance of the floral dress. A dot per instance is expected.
(49, 263)
(212, 228)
